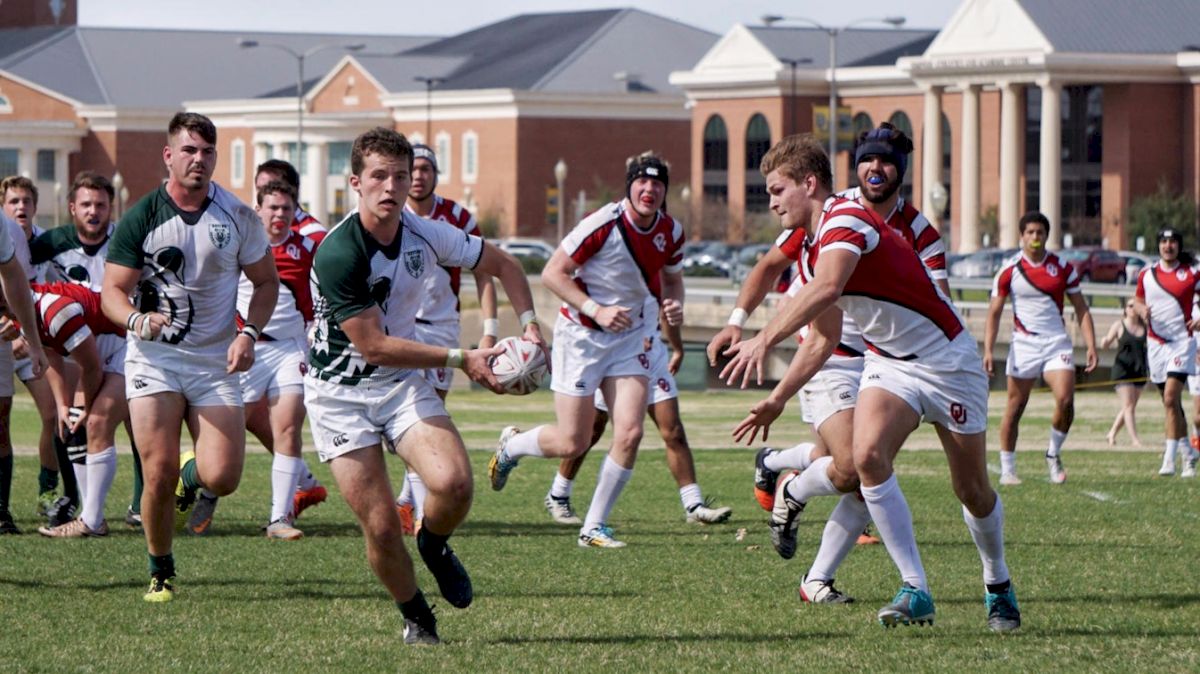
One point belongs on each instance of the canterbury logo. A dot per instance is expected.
(340, 439)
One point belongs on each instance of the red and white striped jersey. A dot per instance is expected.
(1168, 292)
(294, 307)
(795, 244)
(916, 229)
(620, 263)
(305, 224)
(68, 313)
(890, 294)
(1037, 291)
(440, 302)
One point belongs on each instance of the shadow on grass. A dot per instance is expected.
(706, 638)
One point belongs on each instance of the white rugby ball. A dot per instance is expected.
(520, 367)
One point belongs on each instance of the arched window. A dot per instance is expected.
(758, 141)
(716, 159)
(947, 173)
(902, 123)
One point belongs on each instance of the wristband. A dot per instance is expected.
(527, 317)
(491, 327)
(738, 317)
(454, 358)
(250, 330)
(131, 320)
(146, 331)
(590, 308)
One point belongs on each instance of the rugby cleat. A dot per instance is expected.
(307, 498)
(561, 511)
(75, 529)
(911, 605)
(1189, 463)
(7, 525)
(161, 590)
(452, 579)
(704, 513)
(45, 501)
(282, 530)
(421, 632)
(599, 537)
(1054, 465)
(785, 518)
(61, 512)
(405, 512)
(867, 538)
(1168, 465)
(133, 519)
(199, 522)
(764, 479)
(1003, 614)
(817, 591)
(501, 465)
(1009, 479)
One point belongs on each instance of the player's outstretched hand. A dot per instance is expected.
(1092, 361)
(761, 416)
(675, 362)
(477, 363)
(988, 363)
(727, 337)
(614, 318)
(747, 358)
(533, 333)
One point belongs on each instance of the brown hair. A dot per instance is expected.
(797, 157)
(194, 122)
(277, 187)
(379, 140)
(92, 181)
(19, 183)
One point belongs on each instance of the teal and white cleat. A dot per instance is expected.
(1003, 614)
(911, 605)
(501, 465)
(599, 537)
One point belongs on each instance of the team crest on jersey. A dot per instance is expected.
(660, 241)
(218, 233)
(292, 251)
(1052, 269)
(1181, 274)
(414, 262)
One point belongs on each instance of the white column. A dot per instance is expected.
(968, 202)
(1050, 161)
(26, 164)
(931, 161)
(317, 185)
(1010, 172)
(260, 154)
(280, 151)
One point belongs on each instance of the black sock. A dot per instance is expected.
(429, 543)
(6, 471)
(135, 503)
(47, 480)
(415, 609)
(162, 566)
(70, 485)
(999, 588)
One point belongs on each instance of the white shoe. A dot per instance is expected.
(1189, 465)
(1168, 465)
(705, 514)
(561, 511)
(1009, 479)
(599, 537)
(822, 592)
(1057, 474)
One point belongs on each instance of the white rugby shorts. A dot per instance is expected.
(582, 357)
(1032, 355)
(344, 418)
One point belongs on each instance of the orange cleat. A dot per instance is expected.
(307, 499)
(867, 538)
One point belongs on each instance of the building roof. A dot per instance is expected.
(141, 68)
(1116, 26)
(855, 47)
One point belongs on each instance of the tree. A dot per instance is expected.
(1165, 208)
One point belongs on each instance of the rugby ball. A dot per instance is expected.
(520, 367)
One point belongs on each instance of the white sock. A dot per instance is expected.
(1168, 452)
(795, 458)
(1057, 438)
(562, 487)
(1185, 448)
(1008, 463)
(419, 493)
(524, 444)
(988, 534)
(609, 484)
(307, 479)
(206, 493)
(81, 480)
(814, 481)
(892, 517)
(846, 522)
(690, 496)
(285, 475)
(101, 469)
(405, 495)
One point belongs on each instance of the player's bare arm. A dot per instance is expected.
(502, 265)
(991, 327)
(754, 290)
(119, 282)
(265, 279)
(1083, 316)
(559, 275)
(20, 302)
(485, 286)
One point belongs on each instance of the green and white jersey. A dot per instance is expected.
(190, 263)
(70, 260)
(353, 272)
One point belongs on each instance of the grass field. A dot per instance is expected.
(1104, 569)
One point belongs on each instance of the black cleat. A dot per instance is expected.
(7, 525)
(421, 632)
(452, 579)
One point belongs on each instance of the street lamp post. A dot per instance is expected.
(792, 99)
(118, 183)
(832, 32)
(430, 83)
(560, 176)
(246, 43)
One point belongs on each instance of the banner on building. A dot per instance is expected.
(845, 126)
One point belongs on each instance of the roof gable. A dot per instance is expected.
(738, 49)
(989, 26)
(348, 86)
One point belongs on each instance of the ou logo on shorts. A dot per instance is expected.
(958, 413)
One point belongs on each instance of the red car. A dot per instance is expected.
(1095, 264)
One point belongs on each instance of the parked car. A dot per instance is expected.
(746, 258)
(983, 263)
(707, 258)
(1095, 264)
(1134, 264)
(523, 247)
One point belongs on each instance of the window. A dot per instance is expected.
(339, 158)
(5, 104)
(758, 141)
(8, 161)
(902, 123)
(237, 162)
(470, 158)
(45, 165)
(716, 159)
(442, 148)
(301, 164)
(1082, 152)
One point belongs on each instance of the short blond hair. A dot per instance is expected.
(797, 157)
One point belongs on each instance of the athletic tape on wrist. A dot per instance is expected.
(738, 317)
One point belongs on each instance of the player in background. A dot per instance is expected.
(20, 201)
(365, 387)
(1164, 297)
(179, 252)
(438, 318)
(604, 271)
(663, 409)
(305, 223)
(14, 279)
(921, 362)
(1038, 281)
